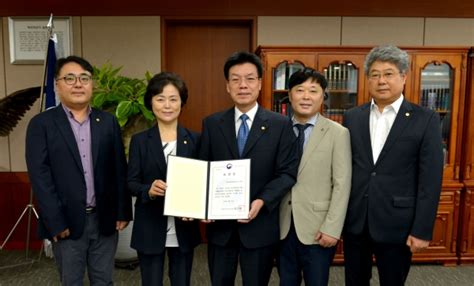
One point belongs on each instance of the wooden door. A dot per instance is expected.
(196, 49)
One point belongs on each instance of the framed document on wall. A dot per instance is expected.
(29, 38)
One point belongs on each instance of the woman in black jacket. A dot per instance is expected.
(153, 232)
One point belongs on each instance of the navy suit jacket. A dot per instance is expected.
(147, 163)
(398, 195)
(57, 176)
(274, 164)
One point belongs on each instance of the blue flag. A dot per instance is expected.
(50, 95)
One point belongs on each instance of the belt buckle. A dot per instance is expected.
(90, 210)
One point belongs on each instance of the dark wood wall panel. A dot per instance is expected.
(402, 8)
(197, 52)
(14, 197)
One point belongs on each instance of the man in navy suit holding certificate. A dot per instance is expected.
(247, 130)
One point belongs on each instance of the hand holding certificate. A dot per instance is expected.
(208, 190)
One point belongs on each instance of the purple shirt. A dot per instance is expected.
(82, 134)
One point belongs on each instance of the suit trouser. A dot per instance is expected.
(393, 260)
(92, 251)
(179, 270)
(256, 264)
(296, 257)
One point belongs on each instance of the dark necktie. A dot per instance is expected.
(301, 129)
(243, 133)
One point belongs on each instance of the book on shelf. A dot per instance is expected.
(335, 114)
(283, 109)
(352, 78)
(330, 77)
(283, 106)
(435, 98)
(291, 69)
(279, 77)
(343, 76)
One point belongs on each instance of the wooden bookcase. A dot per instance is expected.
(466, 237)
(436, 79)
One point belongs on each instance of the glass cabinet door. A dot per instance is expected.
(341, 93)
(438, 87)
(436, 94)
(346, 80)
(281, 76)
(278, 69)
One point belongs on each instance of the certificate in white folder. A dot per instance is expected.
(207, 190)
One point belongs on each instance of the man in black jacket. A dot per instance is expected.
(397, 168)
(77, 168)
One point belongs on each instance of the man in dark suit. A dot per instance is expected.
(397, 167)
(77, 168)
(249, 131)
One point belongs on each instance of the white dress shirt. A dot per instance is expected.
(381, 123)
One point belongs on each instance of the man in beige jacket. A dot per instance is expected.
(312, 214)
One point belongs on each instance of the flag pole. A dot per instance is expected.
(30, 204)
(50, 34)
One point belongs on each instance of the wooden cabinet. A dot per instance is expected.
(466, 240)
(436, 79)
(281, 65)
(439, 80)
(439, 84)
(344, 69)
(346, 82)
(443, 245)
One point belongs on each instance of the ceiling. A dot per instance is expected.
(371, 8)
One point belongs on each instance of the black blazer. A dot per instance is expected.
(147, 163)
(57, 176)
(274, 163)
(398, 196)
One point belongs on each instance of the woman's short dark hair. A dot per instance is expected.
(158, 82)
(239, 58)
(303, 75)
(73, 59)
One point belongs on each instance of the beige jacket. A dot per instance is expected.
(320, 196)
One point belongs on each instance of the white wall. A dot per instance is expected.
(415, 31)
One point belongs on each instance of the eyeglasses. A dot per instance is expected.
(389, 75)
(236, 80)
(71, 79)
